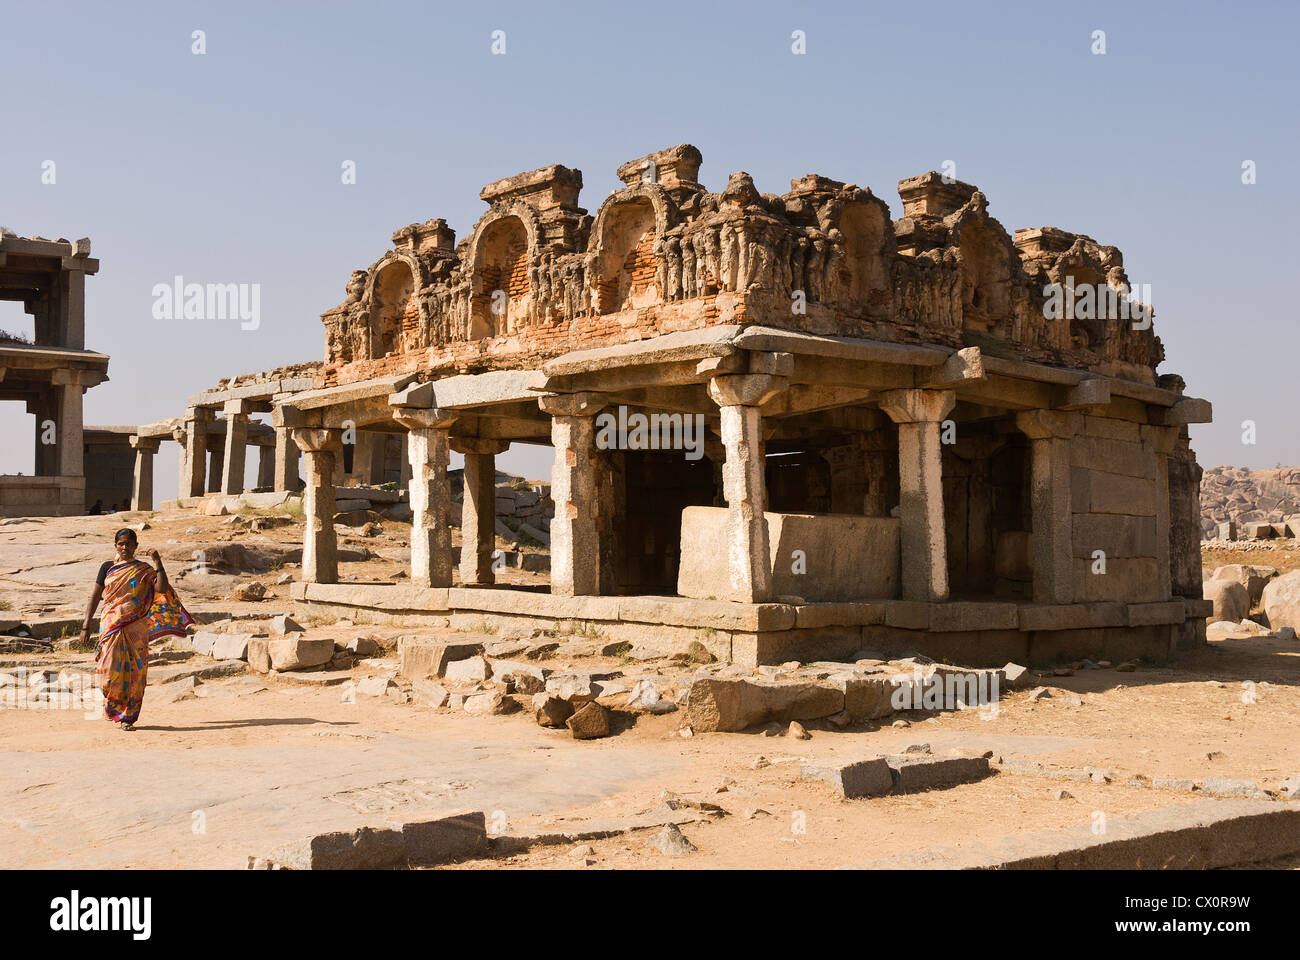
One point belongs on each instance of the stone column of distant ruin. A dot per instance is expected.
(196, 450)
(142, 484)
(236, 452)
(923, 536)
(575, 537)
(428, 450)
(1050, 435)
(478, 509)
(321, 448)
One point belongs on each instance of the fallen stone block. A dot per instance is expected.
(551, 711)
(1222, 787)
(856, 778)
(259, 654)
(373, 686)
(429, 691)
(283, 625)
(735, 704)
(231, 646)
(299, 652)
(1018, 677)
(866, 698)
(446, 839)
(429, 658)
(520, 677)
(363, 849)
(363, 647)
(589, 722)
(915, 773)
(488, 704)
(202, 642)
(464, 673)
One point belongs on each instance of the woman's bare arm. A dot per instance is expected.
(95, 596)
(161, 584)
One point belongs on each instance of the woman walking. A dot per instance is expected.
(139, 606)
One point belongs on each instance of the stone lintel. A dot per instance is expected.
(430, 418)
(318, 439)
(964, 366)
(917, 406)
(1086, 393)
(145, 444)
(746, 390)
(572, 404)
(479, 445)
(1047, 424)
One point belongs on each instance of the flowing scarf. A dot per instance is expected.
(130, 594)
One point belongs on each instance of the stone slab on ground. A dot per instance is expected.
(455, 837)
(297, 652)
(429, 658)
(912, 774)
(729, 705)
(854, 778)
(1196, 836)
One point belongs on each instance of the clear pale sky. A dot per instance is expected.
(225, 167)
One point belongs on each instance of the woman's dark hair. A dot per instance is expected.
(128, 532)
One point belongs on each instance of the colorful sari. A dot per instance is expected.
(134, 614)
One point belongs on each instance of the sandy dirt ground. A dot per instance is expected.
(250, 762)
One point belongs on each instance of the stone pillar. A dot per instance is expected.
(286, 461)
(1050, 433)
(69, 449)
(743, 483)
(320, 561)
(266, 466)
(180, 435)
(575, 539)
(924, 546)
(478, 516)
(232, 467)
(142, 486)
(216, 463)
(1159, 442)
(430, 494)
(196, 449)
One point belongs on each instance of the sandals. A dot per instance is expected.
(128, 726)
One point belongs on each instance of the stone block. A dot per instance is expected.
(1231, 602)
(865, 698)
(1115, 534)
(1113, 493)
(259, 654)
(429, 658)
(491, 703)
(957, 616)
(1259, 530)
(464, 673)
(551, 711)
(429, 691)
(299, 653)
(589, 722)
(852, 779)
(730, 705)
(848, 557)
(363, 849)
(203, 642)
(231, 646)
(1126, 580)
(914, 773)
(456, 837)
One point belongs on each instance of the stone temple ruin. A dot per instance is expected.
(900, 449)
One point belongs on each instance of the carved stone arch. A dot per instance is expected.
(863, 262)
(391, 302)
(502, 250)
(625, 244)
(990, 269)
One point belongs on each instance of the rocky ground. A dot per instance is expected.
(1245, 496)
(228, 763)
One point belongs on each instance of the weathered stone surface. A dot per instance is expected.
(488, 704)
(1253, 577)
(1281, 599)
(259, 654)
(914, 773)
(671, 842)
(855, 778)
(373, 686)
(589, 721)
(1230, 600)
(525, 678)
(729, 705)
(202, 642)
(1017, 677)
(865, 698)
(429, 691)
(298, 653)
(429, 658)
(364, 647)
(1223, 787)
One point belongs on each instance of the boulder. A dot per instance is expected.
(1231, 602)
(521, 677)
(589, 722)
(1281, 601)
(488, 704)
(249, 592)
(1253, 578)
(671, 842)
(298, 652)
(734, 704)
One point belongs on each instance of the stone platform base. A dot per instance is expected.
(974, 634)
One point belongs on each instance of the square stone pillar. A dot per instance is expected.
(478, 516)
(575, 537)
(196, 450)
(1050, 433)
(180, 435)
(266, 466)
(142, 485)
(320, 561)
(216, 464)
(430, 494)
(286, 461)
(743, 483)
(232, 466)
(70, 444)
(1159, 442)
(923, 540)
